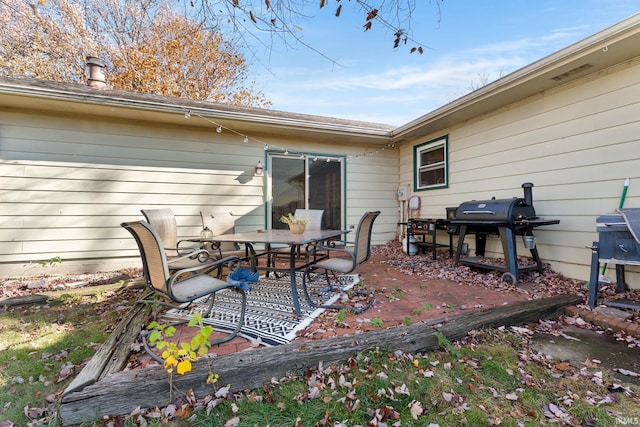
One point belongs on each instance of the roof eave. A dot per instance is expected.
(21, 93)
(611, 46)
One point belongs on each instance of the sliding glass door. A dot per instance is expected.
(305, 183)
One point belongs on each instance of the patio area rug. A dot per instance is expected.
(270, 315)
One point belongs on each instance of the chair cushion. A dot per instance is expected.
(341, 265)
(194, 286)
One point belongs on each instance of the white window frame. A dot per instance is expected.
(441, 143)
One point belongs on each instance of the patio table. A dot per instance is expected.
(281, 237)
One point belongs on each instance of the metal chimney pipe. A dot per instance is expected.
(528, 193)
(96, 77)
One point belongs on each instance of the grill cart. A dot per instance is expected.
(419, 229)
(618, 244)
(506, 218)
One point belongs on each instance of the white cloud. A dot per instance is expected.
(389, 87)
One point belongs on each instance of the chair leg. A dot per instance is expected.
(234, 333)
(306, 278)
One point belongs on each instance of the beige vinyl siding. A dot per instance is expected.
(372, 185)
(577, 144)
(66, 184)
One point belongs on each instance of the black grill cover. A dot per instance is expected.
(495, 210)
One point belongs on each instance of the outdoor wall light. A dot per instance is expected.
(259, 169)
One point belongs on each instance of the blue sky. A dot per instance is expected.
(467, 42)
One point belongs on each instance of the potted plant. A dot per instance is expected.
(296, 224)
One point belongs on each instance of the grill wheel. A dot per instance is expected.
(509, 278)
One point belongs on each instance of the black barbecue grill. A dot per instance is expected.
(506, 218)
(619, 245)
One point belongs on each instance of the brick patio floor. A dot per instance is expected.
(400, 298)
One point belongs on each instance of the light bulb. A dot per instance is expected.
(246, 139)
(219, 129)
(187, 114)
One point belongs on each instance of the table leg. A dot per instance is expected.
(292, 275)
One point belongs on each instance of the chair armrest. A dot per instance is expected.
(201, 254)
(331, 245)
(186, 249)
(204, 268)
(344, 249)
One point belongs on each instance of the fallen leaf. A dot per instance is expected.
(626, 372)
(415, 408)
(222, 392)
(232, 422)
(403, 389)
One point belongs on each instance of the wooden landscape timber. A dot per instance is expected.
(114, 353)
(119, 393)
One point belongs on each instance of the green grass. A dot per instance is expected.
(482, 385)
(486, 383)
(42, 349)
(491, 379)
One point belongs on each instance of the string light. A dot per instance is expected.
(246, 139)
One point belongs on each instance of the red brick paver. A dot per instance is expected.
(400, 298)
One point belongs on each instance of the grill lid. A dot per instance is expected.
(503, 210)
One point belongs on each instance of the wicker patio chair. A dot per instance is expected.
(343, 262)
(184, 286)
(164, 223)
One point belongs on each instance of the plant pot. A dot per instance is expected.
(297, 228)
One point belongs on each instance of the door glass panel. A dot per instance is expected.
(287, 188)
(306, 184)
(325, 192)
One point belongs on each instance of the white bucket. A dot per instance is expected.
(413, 248)
(529, 242)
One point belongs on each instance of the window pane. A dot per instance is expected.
(431, 177)
(432, 156)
